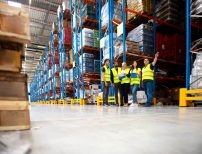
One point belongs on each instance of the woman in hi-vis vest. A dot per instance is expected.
(135, 75)
(125, 84)
(148, 79)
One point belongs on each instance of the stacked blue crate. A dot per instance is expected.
(96, 66)
(88, 63)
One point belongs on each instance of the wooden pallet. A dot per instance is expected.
(10, 56)
(136, 19)
(13, 86)
(91, 2)
(89, 23)
(14, 25)
(14, 115)
(90, 49)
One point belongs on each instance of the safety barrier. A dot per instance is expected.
(51, 102)
(79, 101)
(111, 99)
(186, 99)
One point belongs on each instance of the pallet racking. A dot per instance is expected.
(187, 96)
(43, 86)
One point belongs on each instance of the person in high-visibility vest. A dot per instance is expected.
(106, 81)
(115, 80)
(148, 79)
(135, 75)
(125, 84)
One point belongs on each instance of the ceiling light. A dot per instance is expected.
(39, 46)
(14, 4)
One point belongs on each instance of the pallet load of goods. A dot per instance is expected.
(14, 34)
(143, 35)
(89, 13)
(55, 59)
(66, 22)
(196, 72)
(141, 6)
(168, 10)
(139, 40)
(67, 56)
(171, 47)
(107, 46)
(196, 7)
(117, 14)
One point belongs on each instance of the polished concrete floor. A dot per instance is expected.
(100, 130)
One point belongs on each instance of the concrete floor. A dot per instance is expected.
(100, 130)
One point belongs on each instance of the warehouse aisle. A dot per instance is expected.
(99, 130)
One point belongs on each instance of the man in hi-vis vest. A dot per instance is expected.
(148, 79)
(115, 80)
(106, 81)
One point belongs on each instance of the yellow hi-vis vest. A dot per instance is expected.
(135, 80)
(147, 73)
(107, 74)
(125, 79)
(116, 74)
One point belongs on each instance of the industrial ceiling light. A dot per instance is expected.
(39, 46)
(14, 4)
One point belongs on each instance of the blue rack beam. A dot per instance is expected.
(124, 30)
(76, 72)
(188, 43)
(99, 5)
(81, 46)
(62, 57)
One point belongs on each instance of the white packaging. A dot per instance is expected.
(59, 10)
(130, 99)
(141, 97)
(56, 68)
(66, 5)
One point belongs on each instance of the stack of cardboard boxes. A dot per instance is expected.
(143, 35)
(14, 33)
(141, 6)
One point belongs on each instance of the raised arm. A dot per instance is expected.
(155, 59)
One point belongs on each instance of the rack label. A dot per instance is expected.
(102, 42)
(120, 29)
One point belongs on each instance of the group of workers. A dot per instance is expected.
(123, 79)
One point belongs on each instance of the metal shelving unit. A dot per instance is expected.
(74, 18)
(47, 82)
(127, 26)
(62, 57)
(106, 30)
(190, 97)
(82, 22)
(53, 70)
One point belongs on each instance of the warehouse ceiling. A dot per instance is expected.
(42, 15)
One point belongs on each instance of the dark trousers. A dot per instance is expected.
(149, 90)
(125, 89)
(105, 93)
(117, 88)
